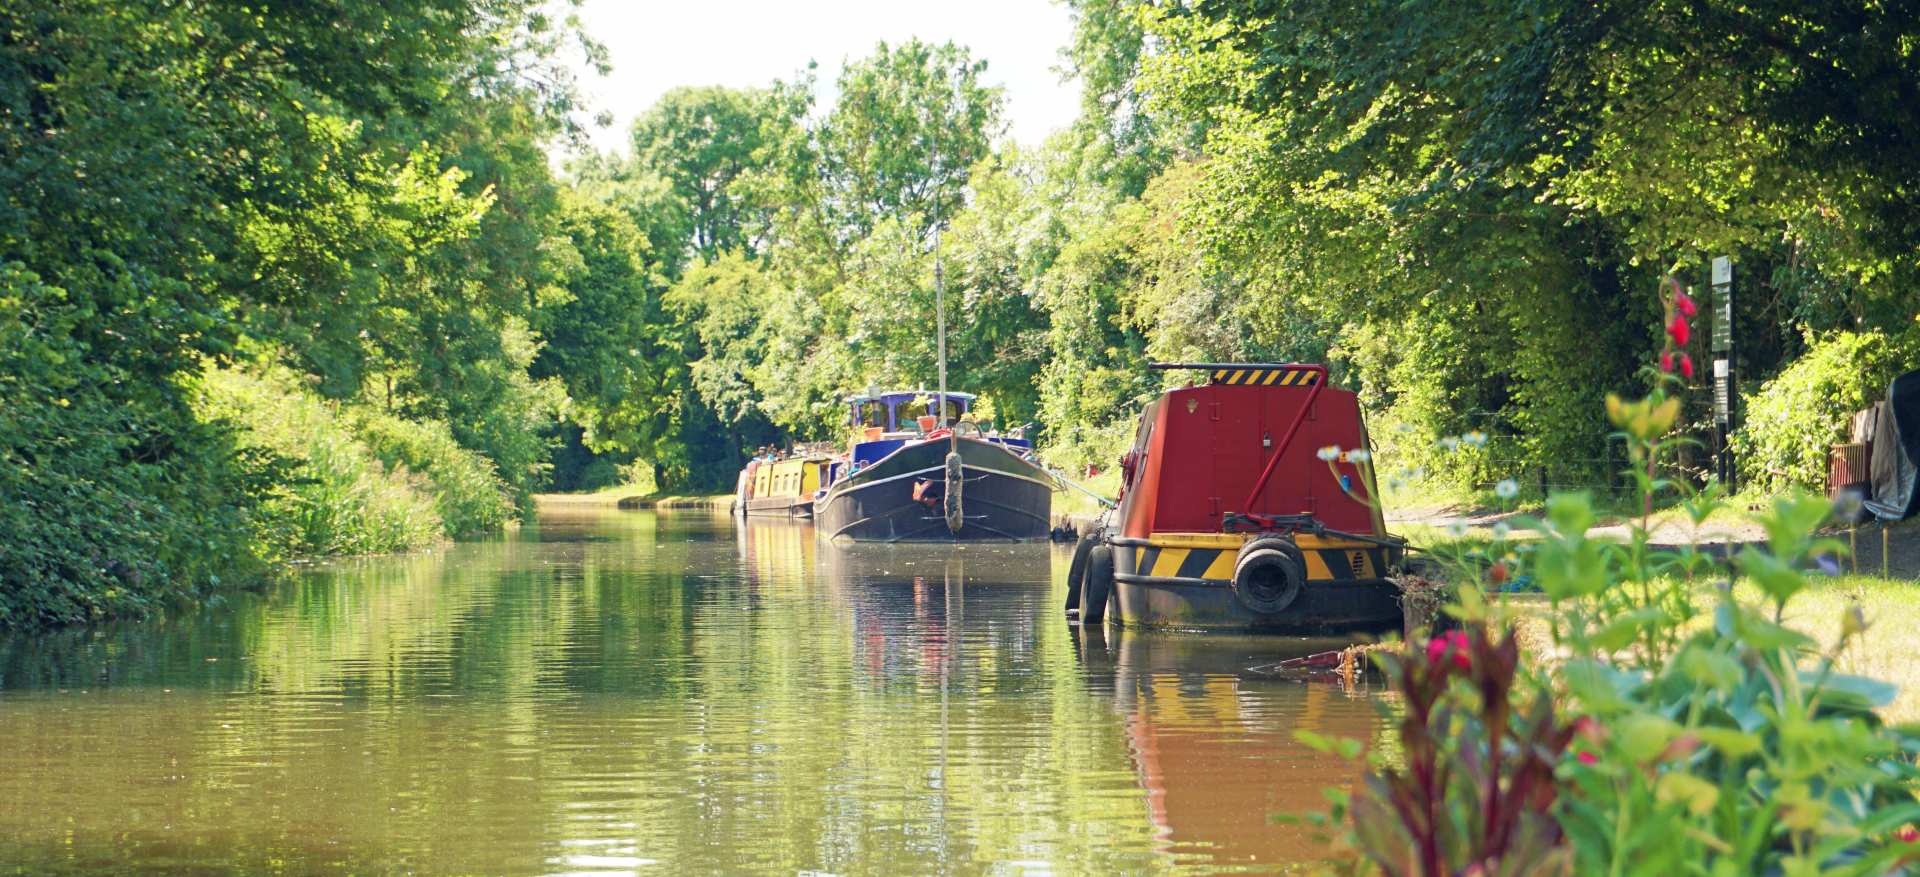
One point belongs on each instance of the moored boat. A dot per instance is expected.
(783, 488)
(1247, 504)
(925, 483)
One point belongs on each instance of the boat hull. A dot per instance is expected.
(1211, 606)
(780, 507)
(1345, 589)
(1003, 498)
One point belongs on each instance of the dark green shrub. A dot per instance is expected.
(1792, 420)
(113, 497)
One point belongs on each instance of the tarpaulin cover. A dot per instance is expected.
(1896, 452)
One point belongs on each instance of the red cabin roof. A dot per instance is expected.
(1200, 451)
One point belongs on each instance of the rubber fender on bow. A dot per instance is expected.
(956, 475)
(1268, 574)
(1077, 570)
(1097, 585)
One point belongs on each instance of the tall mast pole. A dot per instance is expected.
(940, 318)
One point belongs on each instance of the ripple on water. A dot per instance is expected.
(618, 693)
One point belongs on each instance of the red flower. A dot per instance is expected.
(1908, 834)
(1683, 303)
(1679, 330)
(1588, 758)
(1498, 574)
(1453, 646)
(1457, 643)
(1666, 361)
(1686, 365)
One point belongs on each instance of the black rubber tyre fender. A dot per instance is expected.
(1097, 586)
(1268, 574)
(1077, 570)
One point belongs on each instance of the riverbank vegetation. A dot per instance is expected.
(309, 282)
(1667, 709)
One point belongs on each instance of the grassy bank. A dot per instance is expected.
(354, 480)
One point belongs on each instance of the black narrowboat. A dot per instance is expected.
(908, 479)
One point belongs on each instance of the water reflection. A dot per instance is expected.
(617, 693)
(1214, 741)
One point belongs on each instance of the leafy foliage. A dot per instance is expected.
(1793, 419)
(357, 191)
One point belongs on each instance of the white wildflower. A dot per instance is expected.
(1500, 529)
(1475, 438)
(1507, 488)
(1330, 453)
(1358, 456)
(1449, 443)
(1457, 529)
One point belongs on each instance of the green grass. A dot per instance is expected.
(1073, 502)
(1886, 651)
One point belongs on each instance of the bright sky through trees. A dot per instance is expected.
(655, 46)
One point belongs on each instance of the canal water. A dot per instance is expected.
(636, 693)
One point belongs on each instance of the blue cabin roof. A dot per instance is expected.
(891, 400)
(895, 397)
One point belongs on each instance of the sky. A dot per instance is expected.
(656, 45)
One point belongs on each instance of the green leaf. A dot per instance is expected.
(1706, 666)
(1643, 736)
(1622, 631)
(1838, 687)
(1775, 578)
(1729, 742)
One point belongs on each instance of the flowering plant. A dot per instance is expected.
(1657, 741)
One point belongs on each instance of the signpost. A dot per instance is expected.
(1723, 397)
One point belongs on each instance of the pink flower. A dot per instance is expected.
(1908, 834)
(1679, 330)
(1666, 361)
(1453, 646)
(1686, 365)
(1683, 303)
(1588, 758)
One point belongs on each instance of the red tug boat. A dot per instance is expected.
(1237, 513)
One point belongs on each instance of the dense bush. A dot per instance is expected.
(341, 498)
(116, 497)
(362, 480)
(321, 193)
(469, 496)
(1793, 419)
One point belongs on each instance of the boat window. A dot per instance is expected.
(914, 408)
(871, 413)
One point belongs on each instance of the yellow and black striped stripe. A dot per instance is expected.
(1266, 377)
(1338, 564)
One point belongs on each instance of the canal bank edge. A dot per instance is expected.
(616, 499)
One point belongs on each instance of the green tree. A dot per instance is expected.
(909, 123)
(700, 140)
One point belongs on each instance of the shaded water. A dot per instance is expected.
(625, 692)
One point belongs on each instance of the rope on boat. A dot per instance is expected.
(1066, 482)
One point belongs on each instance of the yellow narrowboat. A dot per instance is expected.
(783, 488)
